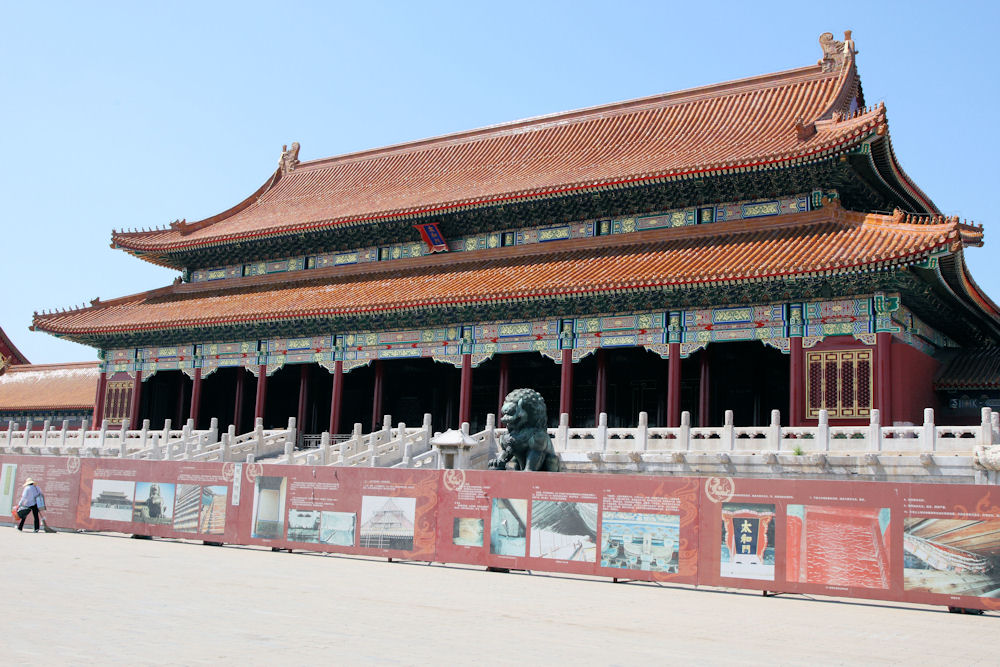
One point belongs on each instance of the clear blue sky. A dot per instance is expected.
(121, 115)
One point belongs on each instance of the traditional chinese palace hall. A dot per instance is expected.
(749, 246)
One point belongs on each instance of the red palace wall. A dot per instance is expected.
(912, 383)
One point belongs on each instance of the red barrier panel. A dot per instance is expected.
(925, 543)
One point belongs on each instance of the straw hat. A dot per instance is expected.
(29, 481)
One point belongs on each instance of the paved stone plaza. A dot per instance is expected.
(107, 599)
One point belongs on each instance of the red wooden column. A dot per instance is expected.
(704, 387)
(796, 383)
(566, 384)
(241, 375)
(337, 396)
(465, 390)
(377, 395)
(102, 389)
(133, 408)
(504, 387)
(674, 386)
(300, 414)
(195, 396)
(600, 385)
(258, 410)
(883, 376)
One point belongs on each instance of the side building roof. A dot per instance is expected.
(37, 387)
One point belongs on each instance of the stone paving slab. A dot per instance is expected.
(107, 599)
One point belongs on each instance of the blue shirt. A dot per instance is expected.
(29, 496)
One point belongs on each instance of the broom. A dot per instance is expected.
(41, 513)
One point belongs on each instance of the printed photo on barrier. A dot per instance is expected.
(303, 525)
(154, 503)
(467, 532)
(111, 500)
(952, 556)
(387, 522)
(213, 510)
(509, 527)
(338, 528)
(8, 474)
(640, 541)
(564, 530)
(269, 508)
(747, 550)
(838, 546)
(187, 510)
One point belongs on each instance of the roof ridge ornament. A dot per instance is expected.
(289, 158)
(835, 53)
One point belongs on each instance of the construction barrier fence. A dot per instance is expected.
(926, 543)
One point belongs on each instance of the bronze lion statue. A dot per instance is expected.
(527, 442)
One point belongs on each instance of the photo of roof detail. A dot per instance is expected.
(338, 528)
(564, 530)
(952, 556)
(509, 527)
(387, 522)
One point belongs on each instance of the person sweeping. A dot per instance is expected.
(31, 500)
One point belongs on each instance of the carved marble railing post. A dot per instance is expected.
(258, 434)
(45, 432)
(685, 432)
(602, 432)
(122, 437)
(642, 433)
(774, 431)
(84, 423)
(728, 432)
(290, 435)
(103, 436)
(213, 430)
(491, 435)
(62, 434)
(986, 428)
(823, 431)
(154, 446)
(429, 429)
(11, 427)
(144, 434)
(324, 448)
(875, 431)
(929, 433)
(562, 434)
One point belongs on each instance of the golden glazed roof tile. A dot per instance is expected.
(816, 242)
(738, 125)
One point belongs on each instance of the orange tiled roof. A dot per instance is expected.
(825, 240)
(32, 387)
(756, 123)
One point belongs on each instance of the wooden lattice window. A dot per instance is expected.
(117, 401)
(839, 381)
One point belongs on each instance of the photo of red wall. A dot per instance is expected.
(838, 546)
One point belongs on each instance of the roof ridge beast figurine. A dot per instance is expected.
(527, 441)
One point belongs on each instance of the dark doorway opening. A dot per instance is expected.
(165, 395)
(751, 380)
